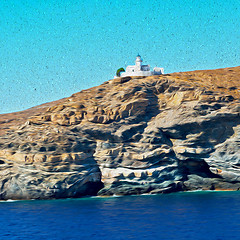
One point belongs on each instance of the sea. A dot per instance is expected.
(194, 215)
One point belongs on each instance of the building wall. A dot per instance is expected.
(136, 73)
(145, 68)
(158, 71)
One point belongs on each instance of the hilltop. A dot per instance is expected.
(130, 135)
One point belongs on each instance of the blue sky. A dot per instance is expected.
(51, 49)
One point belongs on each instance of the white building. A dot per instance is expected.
(141, 70)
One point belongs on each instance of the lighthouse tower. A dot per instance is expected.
(138, 63)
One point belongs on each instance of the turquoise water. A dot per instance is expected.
(52, 49)
(198, 215)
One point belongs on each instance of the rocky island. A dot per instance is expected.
(130, 135)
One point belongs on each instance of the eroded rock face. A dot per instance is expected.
(138, 135)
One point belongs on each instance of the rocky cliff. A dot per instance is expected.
(132, 135)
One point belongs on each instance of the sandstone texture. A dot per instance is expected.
(131, 135)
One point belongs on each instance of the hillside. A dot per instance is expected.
(132, 135)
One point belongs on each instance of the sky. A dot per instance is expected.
(50, 49)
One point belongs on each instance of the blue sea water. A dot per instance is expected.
(196, 215)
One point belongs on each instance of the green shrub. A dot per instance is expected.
(119, 71)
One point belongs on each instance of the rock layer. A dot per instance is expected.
(132, 135)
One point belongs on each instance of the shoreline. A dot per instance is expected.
(118, 196)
